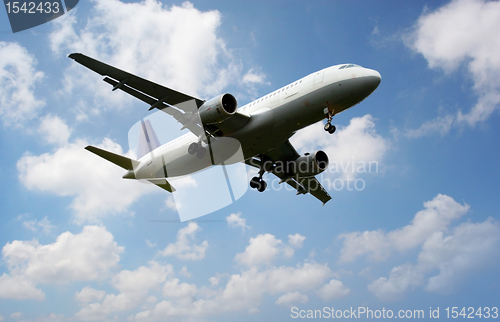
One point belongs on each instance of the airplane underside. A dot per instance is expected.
(223, 134)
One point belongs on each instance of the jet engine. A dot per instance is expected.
(218, 109)
(309, 164)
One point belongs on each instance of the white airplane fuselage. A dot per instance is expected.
(274, 118)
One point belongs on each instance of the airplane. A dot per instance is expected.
(262, 127)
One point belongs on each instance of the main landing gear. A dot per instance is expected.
(196, 148)
(329, 127)
(257, 182)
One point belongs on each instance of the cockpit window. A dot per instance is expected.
(348, 66)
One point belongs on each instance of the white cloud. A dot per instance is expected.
(184, 247)
(44, 224)
(437, 215)
(472, 247)
(351, 149)
(292, 297)
(400, 279)
(177, 46)
(171, 204)
(441, 125)
(262, 249)
(88, 294)
(235, 220)
(54, 130)
(89, 255)
(243, 292)
(462, 32)
(334, 289)
(466, 250)
(252, 77)
(150, 244)
(18, 77)
(133, 286)
(96, 184)
(16, 315)
(214, 281)
(184, 272)
(19, 288)
(175, 289)
(296, 240)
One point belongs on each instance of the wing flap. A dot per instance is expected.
(313, 186)
(145, 98)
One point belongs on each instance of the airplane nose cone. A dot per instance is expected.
(372, 79)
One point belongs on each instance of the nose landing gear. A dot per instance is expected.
(329, 127)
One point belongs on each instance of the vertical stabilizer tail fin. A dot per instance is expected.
(148, 141)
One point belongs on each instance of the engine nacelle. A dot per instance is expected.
(310, 164)
(218, 109)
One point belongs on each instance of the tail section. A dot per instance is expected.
(130, 165)
(148, 141)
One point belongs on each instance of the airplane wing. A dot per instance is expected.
(286, 152)
(157, 96)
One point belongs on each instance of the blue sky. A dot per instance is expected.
(80, 243)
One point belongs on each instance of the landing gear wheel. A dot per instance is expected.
(262, 186)
(201, 153)
(329, 127)
(255, 182)
(193, 148)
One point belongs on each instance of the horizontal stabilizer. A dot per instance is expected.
(119, 160)
(162, 183)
